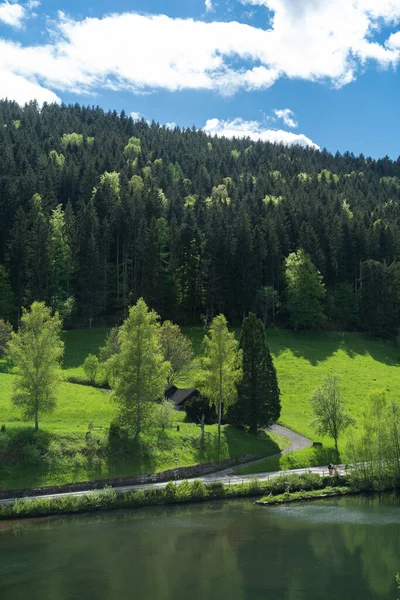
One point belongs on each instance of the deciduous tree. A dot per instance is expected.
(5, 336)
(305, 290)
(220, 368)
(329, 408)
(36, 350)
(142, 369)
(177, 349)
(91, 367)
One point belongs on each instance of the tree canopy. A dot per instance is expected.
(36, 350)
(258, 392)
(142, 370)
(98, 210)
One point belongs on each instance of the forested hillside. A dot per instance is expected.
(97, 210)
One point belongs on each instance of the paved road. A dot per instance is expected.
(222, 477)
(297, 441)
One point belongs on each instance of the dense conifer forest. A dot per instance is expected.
(97, 210)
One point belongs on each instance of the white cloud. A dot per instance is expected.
(12, 14)
(309, 39)
(171, 125)
(209, 6)
(136, 116)
(287, 116)
(20, 89)
(318, 39)
(255, 131)
(32, 4)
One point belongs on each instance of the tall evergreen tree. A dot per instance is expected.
(6, 295)
(258, 403)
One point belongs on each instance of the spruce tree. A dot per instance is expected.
(258, 391)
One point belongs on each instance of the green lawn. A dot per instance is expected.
(60, 453)
(301, 359)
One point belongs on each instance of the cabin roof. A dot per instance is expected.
(180, 396)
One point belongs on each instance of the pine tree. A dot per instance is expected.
(258, 392)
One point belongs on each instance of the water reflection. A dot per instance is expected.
(346, 548)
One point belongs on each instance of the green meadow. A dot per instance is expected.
(301, 360)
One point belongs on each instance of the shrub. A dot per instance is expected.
(170, 492)
(91, 367)
(216, 490)
(184, 491)
(198, 490)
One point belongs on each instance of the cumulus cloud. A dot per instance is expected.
(287, 116)
(316, 39)
(209, 6)
(12, 14)
(20, 89)
(313, 40)
(136, 116)
(255, 131)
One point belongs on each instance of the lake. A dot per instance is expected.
(347, 548)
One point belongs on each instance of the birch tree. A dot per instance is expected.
(329, 408)
(220, 368)
(142, 370)
(36, 350)
(177, 349)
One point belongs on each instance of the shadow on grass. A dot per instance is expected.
(235, 443)
(310, 457)
(316, 347)
(22, 452)
(79, 343)
(127, 456)
(6, 365)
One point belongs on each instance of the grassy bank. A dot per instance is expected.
(302, 360)
(63, 452)
(302, 496)
(170, 494)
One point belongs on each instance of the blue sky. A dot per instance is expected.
(313, 72)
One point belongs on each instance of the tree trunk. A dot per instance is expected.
(219, 430)
(337, 450)
(36, 422)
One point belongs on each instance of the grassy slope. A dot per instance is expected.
(301, 359)
(62, 455)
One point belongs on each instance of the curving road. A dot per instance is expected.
(297, 442)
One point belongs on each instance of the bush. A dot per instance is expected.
(198, 490)
(170, 492)
(184, 491)
(216, 490)
(91, 367)
(5, 336)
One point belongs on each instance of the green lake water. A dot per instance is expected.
(339, 549)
